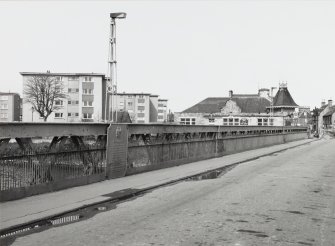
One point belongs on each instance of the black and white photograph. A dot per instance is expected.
(167, 123)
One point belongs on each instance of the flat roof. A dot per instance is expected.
(162, 99)
(9, 93)
(63, 74)
(131, 94)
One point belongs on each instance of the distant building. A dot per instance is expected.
(9, 107)
(141, 107)
(241, 109)
(85, 101)
(326, 116)
(162, 110)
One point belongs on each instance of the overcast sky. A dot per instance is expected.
(183, 51)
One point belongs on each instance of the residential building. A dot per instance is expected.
(85, 100)
(162, 110)
(326, 116)
(241, 109)
(141, 107)
(9, 107)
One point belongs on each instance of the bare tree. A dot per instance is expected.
(42, 92)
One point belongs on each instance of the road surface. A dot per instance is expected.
(284, 199)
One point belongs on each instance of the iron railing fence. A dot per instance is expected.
(30, 168)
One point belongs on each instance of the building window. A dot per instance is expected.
(4, 116)
(88, 91)
(87, 79)
(244, 122)
(265, 122)
(59, 102)
(271, 122)
(58, 115)
(160, 117)
(73, 90)
(3, 98)
(141, 100)
(4, 106)
(76, 114)
(140, 96)
(140, 121)
(59, 78)
(260, 122)
(140, 107)
(187, 121)
(87, 115)
(130, 104)
(129, 96)
(236, 121)
(87, 103)
(225, 121)
(69, 102)
(160, 111)
(231, 121)
(69, 114)
(211, 120)
(140, 115)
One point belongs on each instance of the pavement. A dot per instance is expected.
(37, 207)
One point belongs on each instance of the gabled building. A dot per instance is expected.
(241, 109)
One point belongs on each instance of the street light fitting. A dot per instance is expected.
(119, 15)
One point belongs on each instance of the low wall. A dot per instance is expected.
(156, 147)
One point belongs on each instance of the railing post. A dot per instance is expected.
(116, 150)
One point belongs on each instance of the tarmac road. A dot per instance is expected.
(284, 199)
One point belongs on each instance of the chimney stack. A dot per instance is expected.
(230, 93)
(330, 103)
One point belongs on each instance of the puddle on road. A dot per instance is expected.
(212, 174)
(7, 237)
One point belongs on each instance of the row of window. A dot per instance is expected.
(4, 116)
(187, 121)
(4, 106)
(3, 98)
(85, 115)
(265, 122)
(74, 78)
(85, 91)
(245, 122)
(85, 103)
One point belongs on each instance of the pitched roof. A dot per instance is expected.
(330, 112)
(215, 104)
(252, 104)
(283, 98)
(209, 105)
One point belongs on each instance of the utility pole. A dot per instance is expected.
(111, 85)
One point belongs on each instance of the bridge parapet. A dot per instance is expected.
(41, 157)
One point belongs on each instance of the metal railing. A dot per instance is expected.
(31, 168)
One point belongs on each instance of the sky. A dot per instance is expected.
(184, 51)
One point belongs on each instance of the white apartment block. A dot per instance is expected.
(85, 100)
(141, 107)
(162, 110)
(9, 107)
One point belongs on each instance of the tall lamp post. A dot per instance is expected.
(111, 73)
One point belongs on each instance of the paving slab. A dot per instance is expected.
(40, 206)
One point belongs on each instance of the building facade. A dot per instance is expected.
(9, 107)
(141, 107)
(241, 109)
(85, 100)
(326, 116)
(162, 110)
